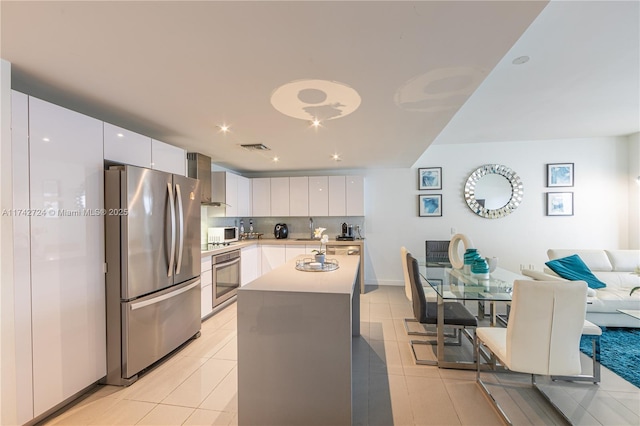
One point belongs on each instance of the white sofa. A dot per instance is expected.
(616, 269)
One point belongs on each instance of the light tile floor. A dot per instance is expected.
(198, 384)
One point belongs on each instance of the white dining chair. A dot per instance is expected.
(543, 333)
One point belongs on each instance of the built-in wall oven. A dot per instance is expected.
(225, 268)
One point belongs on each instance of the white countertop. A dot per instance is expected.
(288, 278)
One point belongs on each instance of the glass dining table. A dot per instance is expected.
(453, 285)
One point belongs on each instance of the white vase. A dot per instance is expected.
(320, 258)
(492, 262)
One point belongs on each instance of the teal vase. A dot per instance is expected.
(480, 269)
(470, 256)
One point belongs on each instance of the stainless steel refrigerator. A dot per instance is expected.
(152, 233)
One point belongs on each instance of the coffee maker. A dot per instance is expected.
(347, 233)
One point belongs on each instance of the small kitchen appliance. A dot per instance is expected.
(347, 233)
(221, 235)
(281, 231)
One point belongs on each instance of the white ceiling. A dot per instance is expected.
(177, 70)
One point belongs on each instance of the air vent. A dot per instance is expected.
(256, 147)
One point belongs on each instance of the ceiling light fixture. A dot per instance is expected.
(120, 135)
(520, 60)
(45, 139)
(276, 159)
(224, 128)
(315, 123)
(336, 157)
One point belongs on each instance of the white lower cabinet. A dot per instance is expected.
(292, 251)
(67, 253)
(249, 264)
(206, 281)
(272, 257)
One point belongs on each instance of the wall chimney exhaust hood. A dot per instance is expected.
(199, 167)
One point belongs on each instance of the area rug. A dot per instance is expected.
(619, 351)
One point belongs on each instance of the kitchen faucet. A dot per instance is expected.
(311, 226)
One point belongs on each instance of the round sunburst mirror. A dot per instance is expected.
(493, 191)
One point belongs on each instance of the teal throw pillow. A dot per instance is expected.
(574, 269)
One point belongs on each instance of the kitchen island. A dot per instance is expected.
(294, 345)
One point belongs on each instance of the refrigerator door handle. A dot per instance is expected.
(172, 205)
(166, 296)
(181, 219)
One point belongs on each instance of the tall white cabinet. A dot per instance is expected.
(66, 243)
(168, 158)
(126, 147)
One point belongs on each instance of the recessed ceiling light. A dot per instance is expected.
(520, 60)
(315, 123)
(276, 159)
(120, 135)
(45, 139)
(223, 128)
(336, 157)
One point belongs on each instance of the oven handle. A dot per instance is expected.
(220, 265)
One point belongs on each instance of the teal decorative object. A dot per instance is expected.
(574, 269)
(470, 256)
(480, 269)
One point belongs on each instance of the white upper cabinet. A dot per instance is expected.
(299, 196)
(231, 186)
(337, 196)
(126, 147)
(233, 190)
(261, 197)
(280, 196)
(355, 195)
(318, 196)
(168, 158)
(67, 253)
(244, 196)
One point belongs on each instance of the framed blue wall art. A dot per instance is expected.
(559, 174)
(559, 203)
(430, 205)
(430, 178)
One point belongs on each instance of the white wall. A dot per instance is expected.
(601, 219)
(634, 190)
